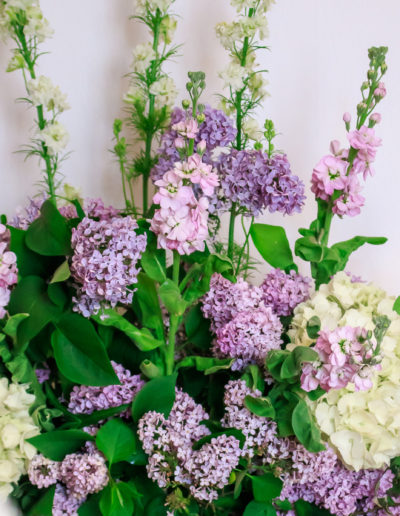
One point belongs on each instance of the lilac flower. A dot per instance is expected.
(43, 472)
(86, 399)
(226, 299)
(8, 274)
(43, 374)
(84, 474)
(283, 292)
(256, 182)
(65, 504)
(104, 264)
(249, 336)
(25, 216)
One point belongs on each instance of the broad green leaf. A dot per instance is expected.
(29, 263)
(153, 263)
(305, 428)
(49, 235)
(208, 364)
(308, 249)
(99, 415)
(313, 327)
(158, 395)
(59, 443)
(304, 508)
(254, 377)
(116, 500)
(12, 324)
(396, 306)
(292, 365)
(197, 328)
(171, 297)
(147, 298)
(30, 297)
(259, 509)
(80, 354)
(62, 273)
(116, 440)
(347, 247)
(266, 487)
(44, 506)
(260, 406)
(274, 361)
(273, 245)
(143, 339)
(91, 506)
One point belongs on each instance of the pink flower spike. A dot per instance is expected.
(328, 175)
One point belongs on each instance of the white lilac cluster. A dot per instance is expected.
(363, 427)
(29, 12)
(172, 461)
(16, 425)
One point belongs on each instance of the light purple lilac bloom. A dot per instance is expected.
(8, 272)
(217, 130)
(84, 474)
(43, 374)
(43, 472)
(168, 442)
(225, 299)
(256, 182)
(283, 292)
(104, 264)
(86, 399)
(248, 337)
(64, 504)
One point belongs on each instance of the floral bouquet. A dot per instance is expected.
(141, 372)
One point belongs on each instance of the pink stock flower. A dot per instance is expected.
(376, 118)
(188, 128)
(344, 357)
(380, 90)
(350, 202)
(328, 175)
(364, 140)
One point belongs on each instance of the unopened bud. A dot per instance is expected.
(365, 85)
(201, 118)
(371, 74)
(375, 118)
(361, 107)
(179, 143)
(258, 146)
(185, 104)
(334, 147)
(201, 147)
(346, 118)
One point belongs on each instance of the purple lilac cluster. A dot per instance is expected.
(217, 130)
(168, 442)
(86, 399)
(249, 336)
(284, 291)
(8, 270)
(104, 263)
(318, 478)
(346, 355)
(76, 477)
(256, 182)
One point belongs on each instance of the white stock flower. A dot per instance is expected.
(250, 4)
(55, 137)
(38, 26)
(134, 94)
(252, 129)
(143, 55)
(167, 29)
(363, 426)
(233, 76)
(143, 6)
(44, 93)
(20, 4)
(228, 34)
(16, 425)
(165, 92)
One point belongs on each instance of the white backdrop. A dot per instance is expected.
(317, 62)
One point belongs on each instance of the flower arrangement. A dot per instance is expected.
(141, 371)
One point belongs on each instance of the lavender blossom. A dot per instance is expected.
(249, 336)
(43, 472)
(104, 264)
(283, 292)
(225, 299)
(64, 504)
(84, 474)
(256, 182)
(86, 399)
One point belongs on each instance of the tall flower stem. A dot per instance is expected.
(173, 321)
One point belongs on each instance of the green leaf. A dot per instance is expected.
(313, 327)
(205, 364)
(260, 406)
(238, 434)
(29, 263)
(147, 298)
(80, 354)
(308, 249)
(153, 263)
(30, 297)
(62, 273)
(11, 327)
(116, 500)
(116, 440)
(158, 395)
(57, 444)
(396, 306)
(292, 366)
(273, 245)
(266, 487)
(44, 507)
(305, 428)
(254, 377)
(259, 509)
(143, 339)
(171, 297)
(90, 507)
(304, 508)
(274, 361)
(49, 235)
(347, 247)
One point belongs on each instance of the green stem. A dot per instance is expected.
(247, 233)
(231, 237)
(26, 54)
(173, 321)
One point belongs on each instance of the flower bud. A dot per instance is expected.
(185, 104)
(375, 118)
(361, 107)
(365, 85)
(346, 118)
(179, 143)
(201, 147)
(371, 74)
(201, 118)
